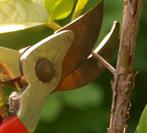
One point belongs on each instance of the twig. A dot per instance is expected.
(104, 62)
(123, 81)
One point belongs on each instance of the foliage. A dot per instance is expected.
(21, 12)
(84, 110)
(142, 126)
(79, 7)
(59, 9)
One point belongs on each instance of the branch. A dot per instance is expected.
(123, 80)
(103, 62)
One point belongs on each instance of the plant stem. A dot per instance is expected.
(53, 25)
(123, 80)
(104, 62)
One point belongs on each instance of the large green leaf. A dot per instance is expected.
(142, 126)
(19, 14)
(59, 9)
(23, 38)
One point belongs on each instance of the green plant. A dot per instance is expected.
(39, 18)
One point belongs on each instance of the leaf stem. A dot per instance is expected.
(53, 25)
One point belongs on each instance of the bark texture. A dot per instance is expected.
(123, 81)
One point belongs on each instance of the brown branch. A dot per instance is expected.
(123, 81)
(103, 62)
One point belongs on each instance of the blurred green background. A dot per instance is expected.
(87, 110)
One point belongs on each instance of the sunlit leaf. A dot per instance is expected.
(24, 13)
(79, 7)
(59, 9)
(142, 126)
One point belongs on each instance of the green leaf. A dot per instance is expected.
(19, 14)
(23, 38)
(59, 9)
(142, 126)
(87, 96)
(79, 7)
